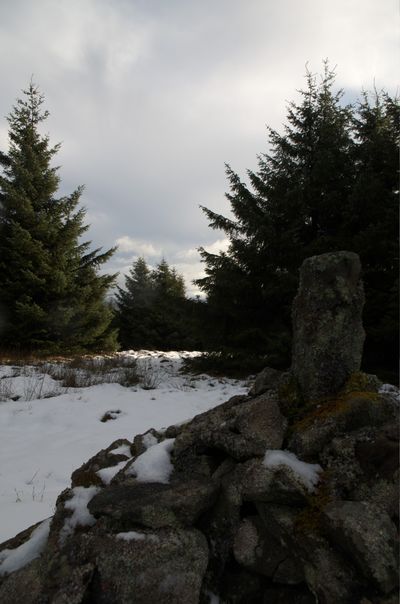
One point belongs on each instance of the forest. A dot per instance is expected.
(328, 181)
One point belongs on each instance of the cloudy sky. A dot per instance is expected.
(151, 97)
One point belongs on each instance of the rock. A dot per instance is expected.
(220, 525)
(267, 379)
(331, 578)
(328, 335)
(260, 552)
(328, 575)
(363, 466)
(367, 534)
(120, 568)
(277, 484)
(142, 442)
(24, 585)
(339, 415)
(153, 505)
(241, 428)
(166, 568)
(239, 586)
(283, 595)
(86, 475)
(260, 420)
(379, 456)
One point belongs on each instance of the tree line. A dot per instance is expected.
(329, 181)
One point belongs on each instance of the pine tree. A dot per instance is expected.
(52, 297)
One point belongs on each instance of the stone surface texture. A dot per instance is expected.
(328, 334)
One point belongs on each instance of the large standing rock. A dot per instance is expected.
(328, 335)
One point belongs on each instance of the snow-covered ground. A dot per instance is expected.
(50, 430)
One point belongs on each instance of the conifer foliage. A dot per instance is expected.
(52, 297)
(153, 310)
(329, 182)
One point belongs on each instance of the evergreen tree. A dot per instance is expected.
(301, 202)
(153, 310)
(372, 223)
(52, 297)
(135, 307)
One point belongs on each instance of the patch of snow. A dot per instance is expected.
(393, 391)
(14, 559)
(107, 474)
(43, 440)
(307, 472)
(149, 440)
(134, 536)
(80, 513)
(154, 465)
(122, 450)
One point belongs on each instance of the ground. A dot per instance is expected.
(52, 427)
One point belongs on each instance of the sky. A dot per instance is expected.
(150, 99)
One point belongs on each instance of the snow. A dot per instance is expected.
(80, 513)
(307, 472)
(43, 440)
(149, 440)
(391, 390)
(14, 559)
(154, 465)
(134, 536)
(107, 474)
(122, 450)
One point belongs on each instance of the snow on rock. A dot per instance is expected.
(122, 450)
(393, 391)
(107, 474)
(134, 536)
(154, 465)
(149, 440)
(14, 559)
(307, 472)
(80, 513)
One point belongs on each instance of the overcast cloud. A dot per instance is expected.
(151, 97)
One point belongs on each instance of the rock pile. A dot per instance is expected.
(272, 498)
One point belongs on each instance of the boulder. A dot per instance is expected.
(328, 335)
(143, 568)
(241, 428)
(367, 534)
(279, 484)
(339, 415)
(260, 552)
(267, 379)
(153, 505)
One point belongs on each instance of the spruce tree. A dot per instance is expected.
(292, 210)
(51, 295)
(153, 311)
(134, 303)
(306, 198)
(372, 223)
